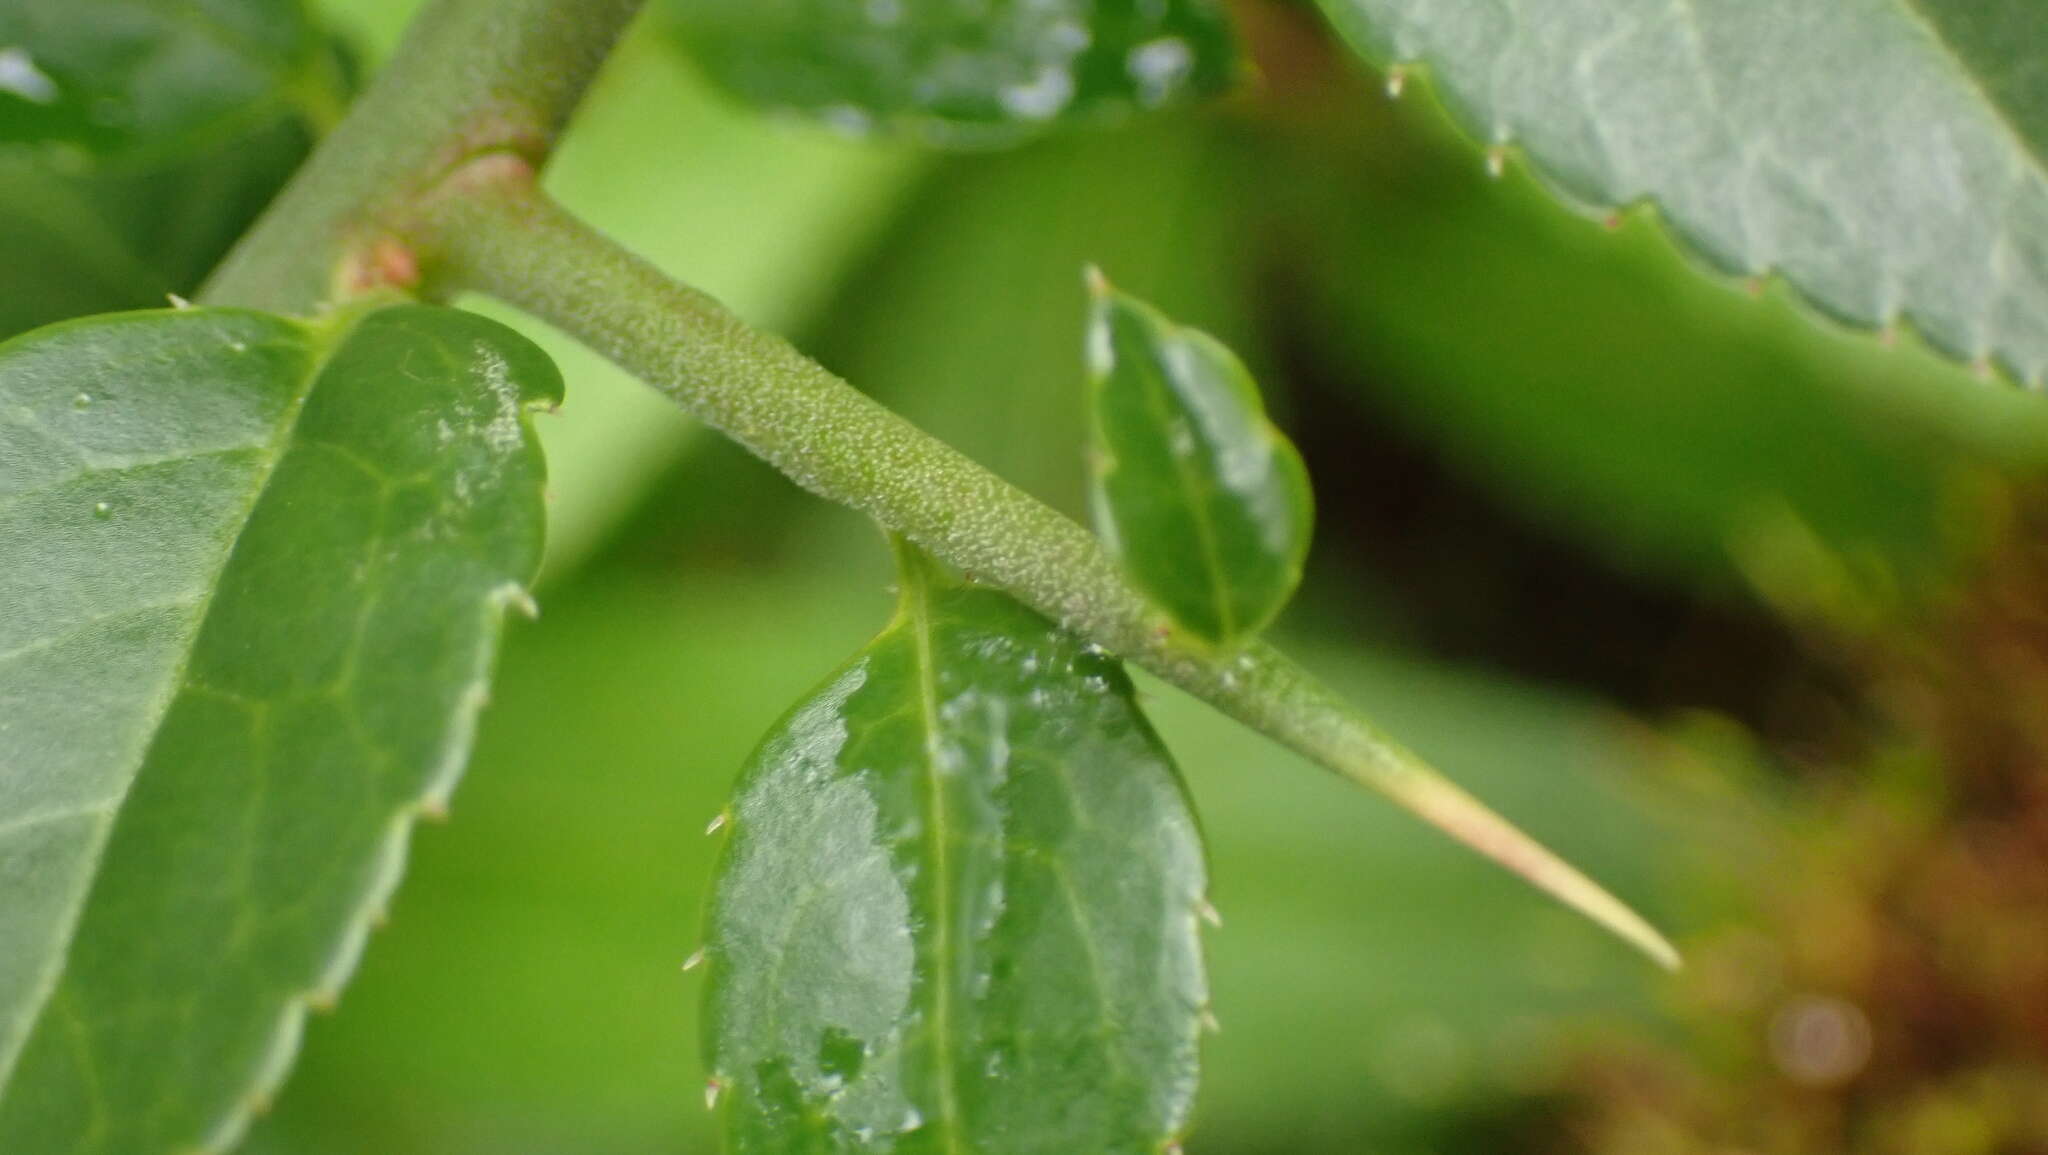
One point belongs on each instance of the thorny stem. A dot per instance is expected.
(432, 176)
(494, 231)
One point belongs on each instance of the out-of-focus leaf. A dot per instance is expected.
(961, 72)
(1592, 379)
(153, 78)
(1888, 157)
(1204, 503)
(77, 239)
(255, 576)
(959, 910)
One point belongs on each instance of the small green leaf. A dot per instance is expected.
(959, 909)
(1202, 500)
(152, 78)
(254, 581)
(969, 73)
(1888, 157)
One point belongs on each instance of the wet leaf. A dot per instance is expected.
(961, 72)
(1889, 158)
(959, 908)
(149, 79)
(255, 575)
(1202, 500)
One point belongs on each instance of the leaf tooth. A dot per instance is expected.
(717, 822)
(695, 960)
(713, 1088)
(519, 598)
(1497, 161)
(1209, 1023)
(1397, 81)
(1208, 912)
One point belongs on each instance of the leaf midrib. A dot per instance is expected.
(918, 608)
(1157, 396)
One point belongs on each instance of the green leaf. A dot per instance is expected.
(1202, 500)
(1889, 158)
(970, 73)
(146, 79)
(254, 577)
(959, 909)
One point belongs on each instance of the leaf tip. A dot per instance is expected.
(1098, 284)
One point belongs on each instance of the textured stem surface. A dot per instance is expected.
(504, 238)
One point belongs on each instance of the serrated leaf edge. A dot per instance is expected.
(1405, 73)
(387, 869)
(386, 873)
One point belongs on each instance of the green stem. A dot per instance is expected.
(472, 77)
(503, 237)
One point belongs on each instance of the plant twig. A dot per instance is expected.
(472, 77)
(497, 233)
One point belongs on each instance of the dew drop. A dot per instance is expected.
(1094, 665)
(82, 401)
(102, 511)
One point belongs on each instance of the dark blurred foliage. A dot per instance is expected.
(84, 234)
(1881, 983)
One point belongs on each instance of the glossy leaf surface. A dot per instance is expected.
(959, 909)
(1888, 157)
(151, 78)
(961, 72)
(254, 581)
(1202, 500)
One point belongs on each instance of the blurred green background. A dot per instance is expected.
(1609, 540)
